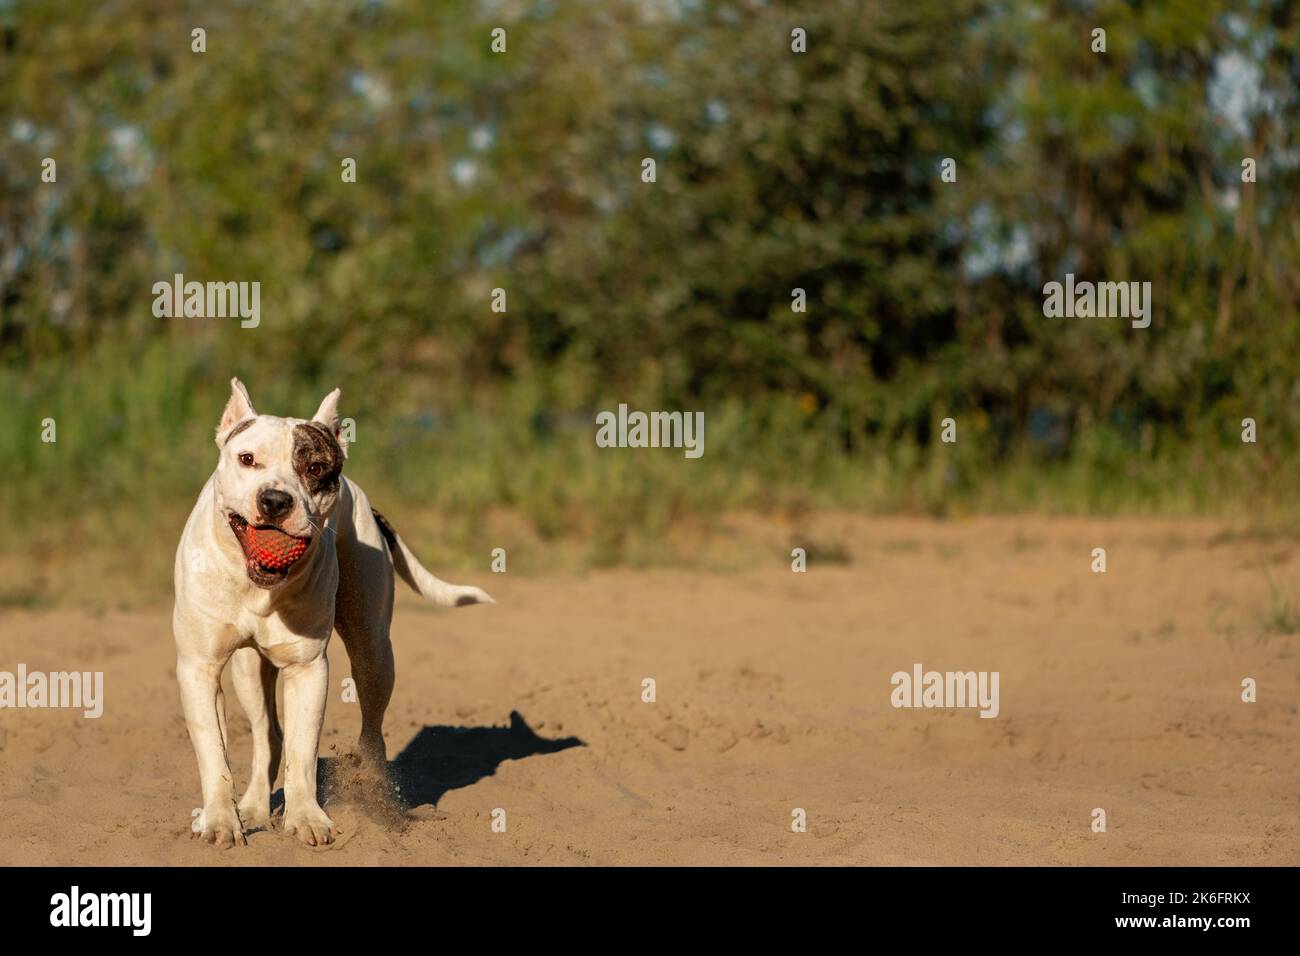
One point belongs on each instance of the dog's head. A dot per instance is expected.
(277, 481)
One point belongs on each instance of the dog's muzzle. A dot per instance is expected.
(269, 552)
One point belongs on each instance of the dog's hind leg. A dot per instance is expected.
(363, 611)
(254, 679)
(371, 654)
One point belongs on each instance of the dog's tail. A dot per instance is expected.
(410, 570)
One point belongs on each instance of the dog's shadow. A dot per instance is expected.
(439, 759)
(444, 758)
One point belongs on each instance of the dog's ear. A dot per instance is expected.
(237, 409)
(328, 415)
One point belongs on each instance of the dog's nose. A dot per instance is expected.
(274, 503)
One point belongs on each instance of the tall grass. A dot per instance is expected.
(134, 445)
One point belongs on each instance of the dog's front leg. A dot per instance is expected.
(200, 683)
(306, 685)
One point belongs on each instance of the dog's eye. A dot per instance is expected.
(246, 459)
(315, 469)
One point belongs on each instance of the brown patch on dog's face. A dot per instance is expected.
(317, 458)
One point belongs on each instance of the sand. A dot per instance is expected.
(1119, 691)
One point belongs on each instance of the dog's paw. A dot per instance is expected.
(221, 827)
(255, 811)
(311, 826)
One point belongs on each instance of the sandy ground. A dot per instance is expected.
(1120, 691)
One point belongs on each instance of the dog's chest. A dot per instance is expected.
(277, 642)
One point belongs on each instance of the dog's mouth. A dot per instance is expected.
(269, 552)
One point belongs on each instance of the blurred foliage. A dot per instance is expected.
(775, 171)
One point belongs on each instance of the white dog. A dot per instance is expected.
(280, 550)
